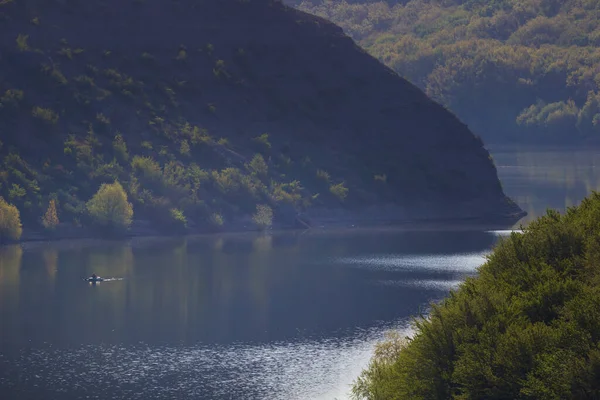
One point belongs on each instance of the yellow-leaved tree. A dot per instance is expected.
(10, 222)
(109, 208)
(50, 218)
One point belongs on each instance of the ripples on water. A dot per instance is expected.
(393, 273)
(449, 263)
(301, 370)
(301, 367)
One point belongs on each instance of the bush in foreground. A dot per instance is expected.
(109, 207)
(528, 327)
(10, 222)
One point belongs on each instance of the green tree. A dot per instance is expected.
(177, 220)
(50, 218)
(527, 327)
(109, 207)
(258, 165)
(339, 190)
(10, 222)
(120, 148)
(263, 218)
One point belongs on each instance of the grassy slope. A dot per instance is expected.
(174, 99)
(513, 70)
(528, 327)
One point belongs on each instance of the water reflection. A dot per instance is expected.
(230, 316)
(288, 316)
(538, 179)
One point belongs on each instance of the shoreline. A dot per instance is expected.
(417, 225)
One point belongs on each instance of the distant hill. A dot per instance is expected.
(207, 109)
(513, 70)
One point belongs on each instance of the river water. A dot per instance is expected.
(284, 316)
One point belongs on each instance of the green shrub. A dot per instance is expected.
(50, 218)
(227, 180)
(22, 42)
(219, 69)
(45, 114)
(120, 148)
(380, 178)
(147, 168)
(103, 119)
(184, 148)
(263, 218)
(181, 55)
(55, 73)
(324, 175)
(109, 207)
(290, 192)
(11, 98)
(258, 165)
(339, 190)
(67, 52)
(380, 368)
(217, 219)
(16, 191)
(264, 140)
(527, 327)
(10, 222)
(178, 220)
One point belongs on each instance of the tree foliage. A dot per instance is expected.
(103, 113)
(528, 327)
(512, 69)
(263, 218)
(10, 222)
(50, 218)
(109, 208)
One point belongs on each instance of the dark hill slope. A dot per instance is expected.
(513, 70)
(174, 98)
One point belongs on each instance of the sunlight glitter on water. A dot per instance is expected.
(317, 370)
(466, 262)
(428, 284)
(505, 232)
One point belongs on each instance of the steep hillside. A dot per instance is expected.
(206, 109)
(513, 70)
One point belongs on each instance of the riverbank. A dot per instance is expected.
(143, 229)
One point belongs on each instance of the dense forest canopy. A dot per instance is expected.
(527, 327)
(212, 114)
(513, 70)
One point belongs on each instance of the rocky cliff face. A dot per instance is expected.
(204, 91)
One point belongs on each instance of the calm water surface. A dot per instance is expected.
(547, 178)
(288, 316)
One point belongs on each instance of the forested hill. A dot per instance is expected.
(513, 70)
(209, 112)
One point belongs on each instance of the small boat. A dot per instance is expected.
(94, 279)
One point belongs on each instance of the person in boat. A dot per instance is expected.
(94, 277)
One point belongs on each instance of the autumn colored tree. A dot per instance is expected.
(10, 222)
(50, 218)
